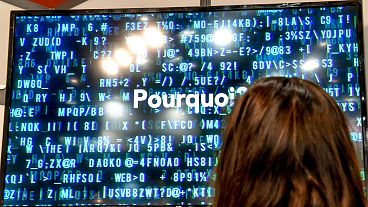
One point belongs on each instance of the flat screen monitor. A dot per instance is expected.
(126, 106)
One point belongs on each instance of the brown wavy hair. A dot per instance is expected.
(286, 143)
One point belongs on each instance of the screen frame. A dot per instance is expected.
(10, 65)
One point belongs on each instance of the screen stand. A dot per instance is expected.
(205, 3)
(2, 94)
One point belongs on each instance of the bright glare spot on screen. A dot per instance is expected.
(110, 66)
(174, 113)
(123, 57)
(136, 44)
(323, 44)
(310, 65)
(144, 18)
(222, 37)
(114, 109)
(176, 59)
(154, 38)
(141, 60)
(71, 102)
(74, 81)
(188, 32)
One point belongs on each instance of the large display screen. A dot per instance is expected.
(126, 107)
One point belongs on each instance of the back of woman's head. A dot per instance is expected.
(286, 143)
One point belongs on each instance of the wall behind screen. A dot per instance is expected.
(109, 4)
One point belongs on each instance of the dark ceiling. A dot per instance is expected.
(44, 4)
